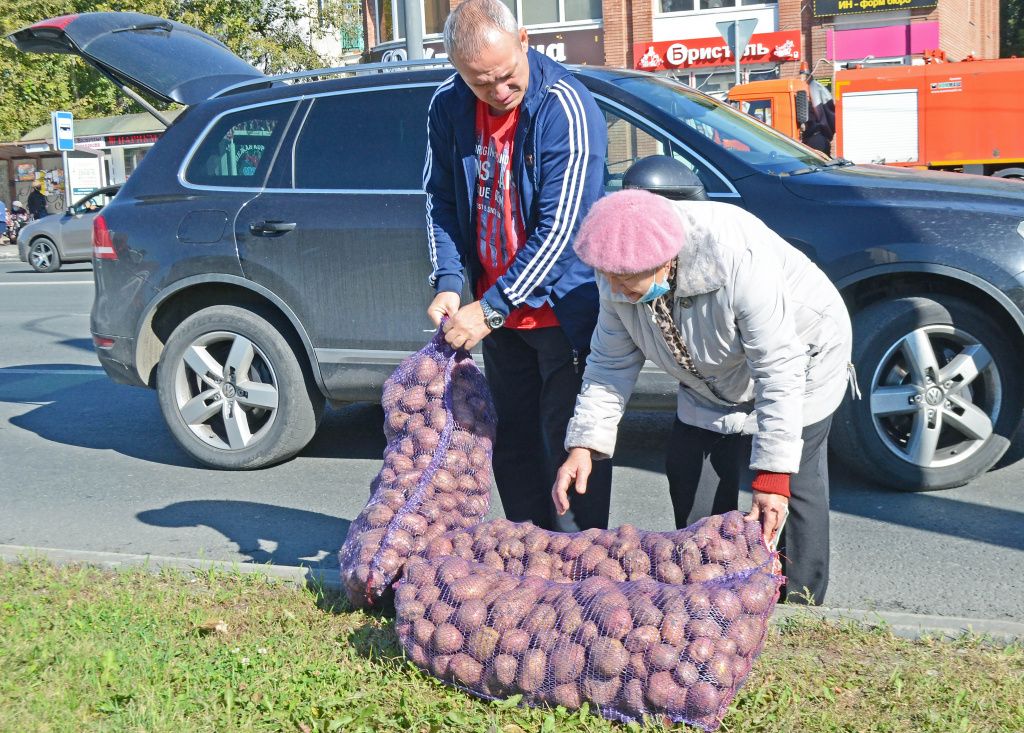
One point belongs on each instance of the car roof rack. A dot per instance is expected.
(335, 71)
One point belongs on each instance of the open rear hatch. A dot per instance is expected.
(170, 61)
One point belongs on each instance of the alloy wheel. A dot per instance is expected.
(935, 396)
(226, 390)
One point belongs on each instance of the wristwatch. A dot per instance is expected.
(492, 318)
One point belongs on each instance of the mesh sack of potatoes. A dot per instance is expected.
(439, 422)
(677, 651)
(710, 548)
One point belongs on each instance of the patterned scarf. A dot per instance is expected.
(662, 308)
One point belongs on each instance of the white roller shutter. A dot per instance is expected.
(880, 127)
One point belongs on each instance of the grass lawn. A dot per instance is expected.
(87, 650)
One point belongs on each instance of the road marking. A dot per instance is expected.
(55, 282)
(86, 370)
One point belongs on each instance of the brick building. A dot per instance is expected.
(681, 38)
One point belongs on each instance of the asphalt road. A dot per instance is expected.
(86, 464)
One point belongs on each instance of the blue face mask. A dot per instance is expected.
(654, 292)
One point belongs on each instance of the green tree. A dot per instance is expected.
(1011, 28)
(271, 35)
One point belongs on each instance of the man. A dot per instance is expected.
(514, 161)
(37, 202)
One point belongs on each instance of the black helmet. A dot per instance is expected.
(666, 176)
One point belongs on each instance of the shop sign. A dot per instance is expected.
(146, 138)
(703, 52)
(850, 7)
(92, 142)
(569, 47)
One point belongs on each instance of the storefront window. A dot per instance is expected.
(582, 9)
(538, 12)
(679, 6)
(434, 14)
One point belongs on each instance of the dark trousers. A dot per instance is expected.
(535, 382)
(705, 470)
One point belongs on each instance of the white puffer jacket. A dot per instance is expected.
(760, 320)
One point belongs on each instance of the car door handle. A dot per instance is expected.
(271, 228)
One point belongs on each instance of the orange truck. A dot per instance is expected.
(966, 116)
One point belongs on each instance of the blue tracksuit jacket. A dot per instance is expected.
(558, 164)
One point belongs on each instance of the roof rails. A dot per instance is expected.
(336, 71)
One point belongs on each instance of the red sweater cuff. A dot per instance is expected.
(771, 483)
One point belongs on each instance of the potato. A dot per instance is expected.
(759, 594)
(725, 605)
(387, 562)
(702, 699)
(422, 460)
(447, 639)
(570, 620)
(608, 657)
(443, 480)
(705, 573)
(698, 603)
(465, 670)
(610, 568)
(439, 665)
(413, 523)
(703, 627)
(637, 666)
(470, 587)
(532, 670)
(426, 439)
(662, 656)
(451, 569)
(425, 370)
(418, 656)
(700, 650)
(576, 547)
(614, 622)
(536, 541)
(411, 611)
(636, 564)
(633, 697)
(378, 515)
(587, 633)
(601, 691)
(503, 671)
(747, 633)
(664, 694)
(723, 668)
(405, 593)
(423, 631)
(440, 612)
(401, 542)
(413, 399)
(482, 643)
(673, 628)
(428, 594)
(437, 418)
(642, 638)
(591, 557)
(567, 660)
(439, 547)
(391, 394)
(541, 619)
(686, 674)
(471, 615)
(644, 612)
(732, 525)
(668, 572)
(567, 695)
(514, 641)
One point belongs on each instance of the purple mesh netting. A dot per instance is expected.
(635, 623)
(439, 421)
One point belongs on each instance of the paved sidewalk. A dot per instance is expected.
(8, 251)
(906, 625)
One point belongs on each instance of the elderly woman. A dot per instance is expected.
(757, 337)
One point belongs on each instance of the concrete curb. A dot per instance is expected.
(8, 252)
(906, 625)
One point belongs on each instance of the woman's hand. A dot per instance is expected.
(771, 511)
(576, 469)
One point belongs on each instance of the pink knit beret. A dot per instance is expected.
(629, 232)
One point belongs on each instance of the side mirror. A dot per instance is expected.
(665, 176)
(803, 109)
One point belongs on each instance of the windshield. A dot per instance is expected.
(740, 135)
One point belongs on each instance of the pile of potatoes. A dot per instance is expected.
(436, 477)
(635, 623)
(631, 648)
(711, 548)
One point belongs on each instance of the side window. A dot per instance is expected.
(368, 141)
(238, 149)
(628, 143)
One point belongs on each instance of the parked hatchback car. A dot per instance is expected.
(58, 239)
(269, 253)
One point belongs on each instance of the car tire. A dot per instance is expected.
(43, 255)
(225, 420)
(941, 389)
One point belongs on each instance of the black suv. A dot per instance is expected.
(269, 254)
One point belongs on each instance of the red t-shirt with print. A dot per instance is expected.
(500, 231)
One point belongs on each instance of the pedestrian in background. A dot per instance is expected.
(37, 202)
(515, 159)
(759, 341)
